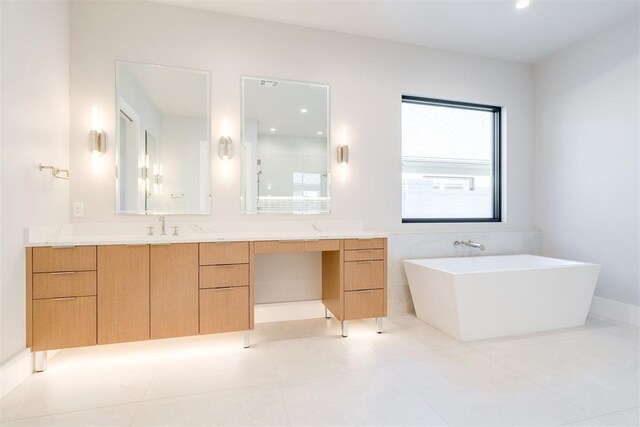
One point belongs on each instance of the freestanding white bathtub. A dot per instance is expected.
(473, 298)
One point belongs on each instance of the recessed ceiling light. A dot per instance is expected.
(522, 4)
(304, 110)
(272, 129)
(319, 132)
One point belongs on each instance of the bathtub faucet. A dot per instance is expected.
(469, 244)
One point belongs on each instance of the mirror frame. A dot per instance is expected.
(243, 210)
(119, 211)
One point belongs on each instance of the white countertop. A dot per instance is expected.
(136, 233)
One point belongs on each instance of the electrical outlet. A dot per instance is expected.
(78, 209)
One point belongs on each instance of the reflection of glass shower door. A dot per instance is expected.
(153, 181)
(130, 188)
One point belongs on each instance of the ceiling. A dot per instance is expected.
(280, 108)
(491, 28)
(172, 91)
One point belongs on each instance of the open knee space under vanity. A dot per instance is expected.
(105, 294)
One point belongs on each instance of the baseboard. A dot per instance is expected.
(15, 370)
(614, 310)
(297, 310)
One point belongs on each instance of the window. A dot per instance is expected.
(450, 161)
(306, 184)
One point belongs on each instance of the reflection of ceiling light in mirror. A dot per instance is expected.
(272, 129)
(522, 4)
(304, 110)
(319, 132)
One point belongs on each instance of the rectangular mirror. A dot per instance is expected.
(285, 147)
(163, 158)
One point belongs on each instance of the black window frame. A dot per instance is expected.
(497, 156)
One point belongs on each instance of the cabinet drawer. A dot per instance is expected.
(64, 284)
(364, 244)
(364, 304)
(64, 322)
(363, 275)
(364, 255)
(224, 310)
(220, 276)
(73, 258)
(286, 246)
(224, 253)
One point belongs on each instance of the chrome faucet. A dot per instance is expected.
(469, 244)
(162, 230)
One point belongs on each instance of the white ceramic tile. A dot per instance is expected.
(600, 390)
(305, 373)
(255, 405)
(519, 404)
(121, 415)
(74, 384)
(629, 417)
(591, 422)
(236, 367)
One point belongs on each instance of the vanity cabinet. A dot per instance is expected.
(224, 287)
(224, 309)
(365, 278)
(88, 295)
(174, 290)
(64, 322)
(61, 305)
(123, 293)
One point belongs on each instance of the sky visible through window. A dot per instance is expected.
(447, 156)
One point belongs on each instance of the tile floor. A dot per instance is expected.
(304, 373)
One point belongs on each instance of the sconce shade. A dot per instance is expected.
(343, 154)
(225, 147)
(98, 141)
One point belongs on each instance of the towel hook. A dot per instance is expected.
(55, 171)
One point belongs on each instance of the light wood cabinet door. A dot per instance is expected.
(364, 255)
(224, 310)
(224, 276)
(363, 275)
(364, 304)
(65, 284)
(64, 323)
(174, 290)
(123, 293)
(224, 253)
(377, 243)
(80, 258)
(288, 246)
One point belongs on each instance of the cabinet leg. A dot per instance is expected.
(327, 315)
(345, 328)
(40, 359)
(379, 325)
(247, 339)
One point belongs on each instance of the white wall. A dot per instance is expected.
(35, 119)
(367, 78)
(587, 151)
(282, 155)
(179, 146)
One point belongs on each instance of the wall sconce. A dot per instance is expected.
(225, 147)
(98, 137)
(98, 142)
(343, 154)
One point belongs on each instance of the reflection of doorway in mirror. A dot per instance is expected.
(204, 177)
(130, 163)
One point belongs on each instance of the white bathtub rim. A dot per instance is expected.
(567, 264)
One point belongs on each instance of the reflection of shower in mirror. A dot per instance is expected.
(258, 190)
